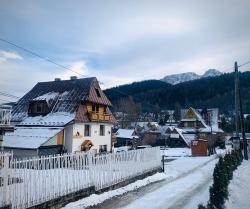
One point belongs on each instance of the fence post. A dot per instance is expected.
(163, 163)
(5, 171)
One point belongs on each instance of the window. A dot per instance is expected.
(39, 107)
(87, 130)
(95, 107)
(102, 130)
(98, 92)
(103, 148)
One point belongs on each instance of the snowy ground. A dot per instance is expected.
(184, 185)
(176, 152)
(239, 192)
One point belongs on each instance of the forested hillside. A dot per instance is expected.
(153, 95)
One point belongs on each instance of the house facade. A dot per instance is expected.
(66, 115)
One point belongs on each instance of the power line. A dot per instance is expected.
(246, 63)
(4, 100)
(41, 57)
(9, 95)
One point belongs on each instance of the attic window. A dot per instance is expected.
(98, 92)
(39, 108)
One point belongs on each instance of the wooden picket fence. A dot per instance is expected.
(29, 182)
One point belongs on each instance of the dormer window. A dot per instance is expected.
(38, 108)
(98, 92)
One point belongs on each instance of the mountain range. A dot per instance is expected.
(189, 76)
(205, 92)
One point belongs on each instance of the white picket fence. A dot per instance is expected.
(31, 182)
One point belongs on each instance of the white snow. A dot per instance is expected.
(47, 97)
(30, 138)
(52, 119)
(239, 192)
(126, 133)
(95, 199)
(176, 152)
(189, 76)
(177, 193)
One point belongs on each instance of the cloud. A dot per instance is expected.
(122, 41)
(7, 55)
(78, 69)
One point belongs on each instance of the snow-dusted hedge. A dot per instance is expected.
(223, 173)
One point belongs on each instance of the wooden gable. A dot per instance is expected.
(96, 95)
(190, 114)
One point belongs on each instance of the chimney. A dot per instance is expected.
(57, 79)
(73, 77)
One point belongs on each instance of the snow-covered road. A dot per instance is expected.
(184, 192)
(239, 188)
(185, 186)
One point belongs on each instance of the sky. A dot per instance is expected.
(119, 41)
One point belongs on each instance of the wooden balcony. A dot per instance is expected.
(100, 117)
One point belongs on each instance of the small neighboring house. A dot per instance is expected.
(203, 124)
(62, 115)
(125, 137)
(203, 121)
(179, 138)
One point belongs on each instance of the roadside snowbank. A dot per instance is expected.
(239, 193)
(95, 199)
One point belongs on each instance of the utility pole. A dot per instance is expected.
(238, 102)
(237, 117)
(236, 88)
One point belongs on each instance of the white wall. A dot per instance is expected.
(68, 135)
(95, 137)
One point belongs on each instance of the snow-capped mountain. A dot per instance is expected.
(189, 76)
(211, 73)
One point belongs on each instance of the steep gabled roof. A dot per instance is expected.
(68, 95)
(196, 116)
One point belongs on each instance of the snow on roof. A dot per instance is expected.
(29, 138)
(52, 119)
(199, 117)
(47, 97)
(126, 133)
(188, 138)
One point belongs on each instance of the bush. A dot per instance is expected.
(223, 173)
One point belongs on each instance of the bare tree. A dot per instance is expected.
(130, 110)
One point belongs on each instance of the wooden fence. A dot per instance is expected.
(26, 183)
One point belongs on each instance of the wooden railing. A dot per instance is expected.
(97, 116)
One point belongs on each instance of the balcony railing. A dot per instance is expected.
(5, 116)
(96, 116)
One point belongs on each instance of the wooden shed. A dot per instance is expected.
(199, 147)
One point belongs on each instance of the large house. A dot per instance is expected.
(62, 115)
